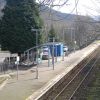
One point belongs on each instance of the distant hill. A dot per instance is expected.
(45, 14)
(56, 15)
(60, 19)
(69, 27)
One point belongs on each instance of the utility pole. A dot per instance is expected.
(76, 2)
(37, 53)
(63, 43)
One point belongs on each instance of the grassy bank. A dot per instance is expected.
(90, 90)
(93, 92)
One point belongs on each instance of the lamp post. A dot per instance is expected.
(37, 72)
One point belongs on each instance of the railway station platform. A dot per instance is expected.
(29, 88)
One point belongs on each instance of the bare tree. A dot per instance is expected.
(82, 30)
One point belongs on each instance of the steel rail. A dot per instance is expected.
(83, 79)
(73, 79)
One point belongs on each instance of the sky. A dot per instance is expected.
(84, 7)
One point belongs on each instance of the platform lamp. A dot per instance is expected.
(36, 30)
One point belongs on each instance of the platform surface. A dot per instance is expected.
(27, 86)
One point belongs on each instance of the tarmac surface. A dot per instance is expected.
(27, 84)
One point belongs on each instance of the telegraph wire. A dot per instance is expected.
(53, 5)
(69, 14)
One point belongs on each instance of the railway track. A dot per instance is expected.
(85, 77)
(67, 89)
(80, 93)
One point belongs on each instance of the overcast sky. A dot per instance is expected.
(84, 7)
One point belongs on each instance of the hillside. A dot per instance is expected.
(63, 23)
(60, 19)
(56, 18)
(48, 14)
